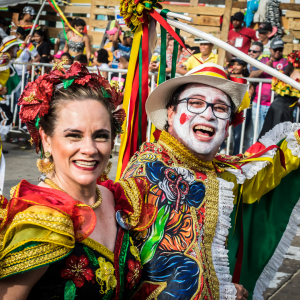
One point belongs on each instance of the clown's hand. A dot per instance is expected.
(241, 292)
(3, 90)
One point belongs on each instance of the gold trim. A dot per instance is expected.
(183, 154)
(296, 134)
(12, 190)
(40, 260)
(155, 293)
(99, 248)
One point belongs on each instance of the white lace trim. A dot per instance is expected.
(219, 253)
(272, 137)
(293, 144)
(276, 260)
(240, 178)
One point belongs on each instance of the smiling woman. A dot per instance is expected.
(68, 238)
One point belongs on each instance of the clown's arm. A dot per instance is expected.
(267, 210)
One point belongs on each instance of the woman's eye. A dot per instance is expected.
(102, 138)
(73, 136)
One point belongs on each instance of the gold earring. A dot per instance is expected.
(104, 175)
(45, 165)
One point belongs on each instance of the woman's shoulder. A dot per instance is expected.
(35, 230)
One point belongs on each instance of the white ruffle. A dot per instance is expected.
(272, 137)
(219, 252)
(5, 67)
(240, 178)
(293, 144)
(276, 260)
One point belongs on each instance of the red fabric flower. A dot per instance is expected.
(77, 270)
(238, 119)
(134, 275)
(294, 58)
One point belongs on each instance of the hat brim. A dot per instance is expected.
(158, 99)
(18, 42)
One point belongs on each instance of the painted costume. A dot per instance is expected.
(46, 227)
(186, 248)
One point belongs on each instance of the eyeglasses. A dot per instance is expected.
(254, 51)
(278, 49)
(199, 106)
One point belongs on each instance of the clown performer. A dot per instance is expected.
(9, 80)
(60, 239)
(221, 229)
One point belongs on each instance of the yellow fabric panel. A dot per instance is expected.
(270, 176)
(4, 76)
(37, 224)
(192, 63)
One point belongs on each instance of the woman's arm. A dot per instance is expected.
(87, 47)
(18, 287)
(56, 46)
(66, 48)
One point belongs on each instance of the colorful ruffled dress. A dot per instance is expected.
(46, 227)
(283, 106)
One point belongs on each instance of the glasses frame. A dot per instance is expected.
(207, 105)
(278, 50)
(254, 51)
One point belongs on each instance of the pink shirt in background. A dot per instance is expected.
(266, 92)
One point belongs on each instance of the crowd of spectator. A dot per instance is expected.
(114, 53)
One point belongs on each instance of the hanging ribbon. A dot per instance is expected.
(163, 50)
(65, 34)
(175, 54)
(58, 10)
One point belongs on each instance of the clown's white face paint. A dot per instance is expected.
(203, 134)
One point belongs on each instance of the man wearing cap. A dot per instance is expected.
(205, 56)
(274, 60)
(182, 242)
(9, 80)
(265, 32)
(240, 37)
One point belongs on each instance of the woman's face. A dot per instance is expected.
(37, 38)
(67, 29)
(28, 17)
(81, 143)
(57, 60)
(79, 29)
(237, 68)
(19, 36)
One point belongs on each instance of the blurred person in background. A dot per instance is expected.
(101, 61)
(265, 32)
(239, 68)
(109, 44)
(42, 42)
(205, 56)
(240, 37)
(274, 60)
(255, 51)
(57, 56)
(67, 58)
(2, 28)
(82, 59)
(76, 43)
(61, 37)
(286, 97)
(27, 16)
(117, 80)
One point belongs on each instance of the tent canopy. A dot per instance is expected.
(4, 3)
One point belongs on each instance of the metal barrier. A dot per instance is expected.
(229, 140)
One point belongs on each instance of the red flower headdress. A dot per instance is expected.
(294, 59)
(36, 97)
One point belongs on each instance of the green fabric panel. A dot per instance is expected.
(12, 82)
(264, 223)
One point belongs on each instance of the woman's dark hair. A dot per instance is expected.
(68, 56)
(44, 34)
(289, 69)
(45, 60)
(70, 20)
(2, 21)
(74, 92)
(102, 56)
(79, 22)
(245, 72)
(81, 58)
(174, 101)
(22, 32)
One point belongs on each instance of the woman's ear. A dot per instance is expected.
(46, 140)
(171, 114)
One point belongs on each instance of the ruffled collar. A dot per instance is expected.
(183, 154)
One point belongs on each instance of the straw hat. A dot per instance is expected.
(209, 74)
(8, 42)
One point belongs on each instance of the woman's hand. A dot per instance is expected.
(241, 292)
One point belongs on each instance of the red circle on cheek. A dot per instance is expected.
(184, 118)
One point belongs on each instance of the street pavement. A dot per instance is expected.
(21, 164)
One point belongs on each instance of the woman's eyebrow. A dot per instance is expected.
(72, 130)
(101, 131)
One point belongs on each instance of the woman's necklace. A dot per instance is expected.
(56, 187)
